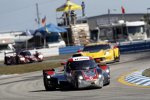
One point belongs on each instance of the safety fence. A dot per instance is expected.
(125, 47)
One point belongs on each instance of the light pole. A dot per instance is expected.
(148, 15)
(109, 18)
(147, 21)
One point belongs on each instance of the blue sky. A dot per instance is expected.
(18, 15)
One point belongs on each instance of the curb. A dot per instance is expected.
(135, 78)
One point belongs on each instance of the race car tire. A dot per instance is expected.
(117, 59)
(76, 84)
(8, 61)
(100, 84)
(47, 86)
(107, 83)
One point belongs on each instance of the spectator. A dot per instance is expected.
(73, 17)
(65, 17)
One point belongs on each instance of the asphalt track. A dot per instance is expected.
(29, 86)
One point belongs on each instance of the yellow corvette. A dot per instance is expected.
(103, 52)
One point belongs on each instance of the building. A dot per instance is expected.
(112, 18)
(118, 27)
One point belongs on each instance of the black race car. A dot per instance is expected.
(78, 72)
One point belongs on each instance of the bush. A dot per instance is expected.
(146, 72)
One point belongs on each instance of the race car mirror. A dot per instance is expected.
(79, 51)
(97, 60)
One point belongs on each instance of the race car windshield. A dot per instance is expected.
(25, 53)
(82, 65)
(95, 48)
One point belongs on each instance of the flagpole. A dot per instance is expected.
(109, 16)
(125, 21)
(38, 16)
(44, 24)
(45, 37)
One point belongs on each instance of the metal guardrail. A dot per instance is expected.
(125, 47)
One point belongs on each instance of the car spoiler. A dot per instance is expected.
(48, 71)
(5, 53)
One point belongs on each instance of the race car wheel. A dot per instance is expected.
(100, 84)
(108, 82)
(48, 87)
(8, 61)
(76, 85)
(117, 59)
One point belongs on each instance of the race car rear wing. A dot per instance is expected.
(48, 71)
(9, 53)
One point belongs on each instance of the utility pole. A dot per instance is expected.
(38, 21)
(37, 12)
(109, 16)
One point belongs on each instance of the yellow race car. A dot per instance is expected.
(102, 51)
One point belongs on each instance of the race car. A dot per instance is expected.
(78, 72)
(102, 51)
(9, 58)
(31, 57)
(21, 57)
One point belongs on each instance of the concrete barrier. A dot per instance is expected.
(134, 46)
(125, 47)
(69, 49)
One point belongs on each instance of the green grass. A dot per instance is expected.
(25, 68)
(146, 72)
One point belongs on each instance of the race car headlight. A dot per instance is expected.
(48, 76)
(107, 53)
(107, 70)
(40, 56)
(81, 77)
(22, 59)
(99, 75)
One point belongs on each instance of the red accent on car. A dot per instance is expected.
(79, 51)
(50, 72)
(103, 67)
(70, 60)
(97, 60)
(115, 46)
(90, 77)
